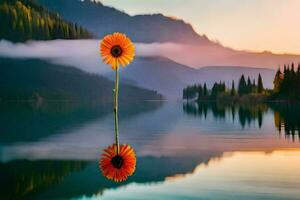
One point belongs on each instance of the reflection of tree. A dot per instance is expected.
(249, 113)
(287, 117)
(22, 178)
(246, 113)
(201, 109)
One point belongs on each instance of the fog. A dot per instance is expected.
(83, 54)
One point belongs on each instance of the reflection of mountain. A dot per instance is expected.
(20, 179)
(52, 134)
(67, 179)
(166, 141)
(30, 122)
(245, 113)
(286, 118)
(166, 131)
(240, 175)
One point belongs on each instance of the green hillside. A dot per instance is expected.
(23, 20)
(39, 80)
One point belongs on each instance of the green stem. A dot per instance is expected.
(116, 94)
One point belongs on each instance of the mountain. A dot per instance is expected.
(169, 78)
(161, 73)
(25, 20)
(162, 66)
(38, 80)
(198, 56)
(101, 20)
(192, 49)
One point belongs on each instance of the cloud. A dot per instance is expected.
(158, 49)
(83, 54)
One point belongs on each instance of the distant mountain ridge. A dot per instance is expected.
(101, 20)
(169, 78)
(195, 51)
(229, 73)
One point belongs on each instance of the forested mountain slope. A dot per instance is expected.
(34, 79)
(23, 20)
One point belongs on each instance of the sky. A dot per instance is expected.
(255, 25)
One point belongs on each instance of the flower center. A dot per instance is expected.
(117, 161)
(116, 51)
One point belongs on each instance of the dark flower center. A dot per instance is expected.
(116, 51)
(117, 161)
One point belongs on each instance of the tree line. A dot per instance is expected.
(23, 20)
(247, 87)
(244, 87)
(287, 83)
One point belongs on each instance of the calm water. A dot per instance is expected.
(185, 151)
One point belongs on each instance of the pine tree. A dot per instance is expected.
(249, 85)
(205, 92)
(284, 90)
(214, 90)
(253, 89)
(232, 92)
(287, 85)
(260, 86)
(200, 91)
(278, 80)
(284, 69)
(242, 88)
(25, 20)
(217, 89)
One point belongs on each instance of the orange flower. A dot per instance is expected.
(116, 49)
(118, 167)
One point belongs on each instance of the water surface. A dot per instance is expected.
(185, 151)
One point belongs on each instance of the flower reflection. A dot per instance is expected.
(118, 166)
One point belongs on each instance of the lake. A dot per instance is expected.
(184, 151)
